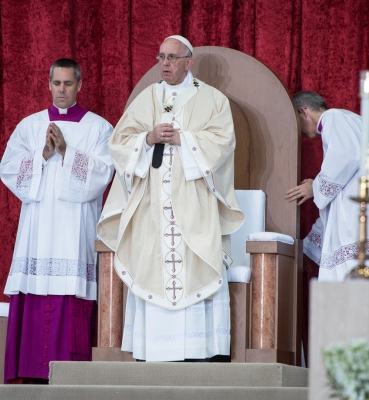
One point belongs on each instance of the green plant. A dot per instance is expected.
(347, 368)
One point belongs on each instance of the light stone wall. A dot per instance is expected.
(339, 312)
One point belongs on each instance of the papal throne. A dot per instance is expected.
(265, 313)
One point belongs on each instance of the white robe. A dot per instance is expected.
(332, 241)
(201, 330)
(61, 203)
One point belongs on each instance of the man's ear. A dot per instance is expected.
(189, 62)
(303, 111)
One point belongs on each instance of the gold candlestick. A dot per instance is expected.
(361, 271)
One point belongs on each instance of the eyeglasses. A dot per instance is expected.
(172, 58)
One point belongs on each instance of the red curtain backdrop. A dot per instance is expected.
(309, 44)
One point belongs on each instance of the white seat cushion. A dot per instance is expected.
(270, 236)
(239, 273)
(4, 309)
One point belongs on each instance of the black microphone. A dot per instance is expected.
(157, 157)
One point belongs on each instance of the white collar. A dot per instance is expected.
(178, 88)
(64, 110)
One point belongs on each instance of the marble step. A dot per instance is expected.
(177, 374)
(65, 392)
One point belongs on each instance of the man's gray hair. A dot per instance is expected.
(187, 50)
(67, 63)
(310, 100)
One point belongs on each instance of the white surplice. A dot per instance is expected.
(332, 241)
(201, 330)
(61, 204)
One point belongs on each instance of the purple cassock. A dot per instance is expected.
(44, 328)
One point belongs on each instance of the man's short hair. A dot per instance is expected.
(188, 52)
(67, 63)
(310, 100)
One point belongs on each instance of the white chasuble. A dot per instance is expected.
(331, 242)
(178, 304)
(152, 333)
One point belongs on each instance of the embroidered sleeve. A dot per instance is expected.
(79, 175)
(84, 175)
(329, 189)
(24, 177)
(315, 238)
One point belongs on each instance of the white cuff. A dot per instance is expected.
(147, 147)
(190, 168)
(145, 156)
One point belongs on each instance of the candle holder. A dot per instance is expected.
(361, 270)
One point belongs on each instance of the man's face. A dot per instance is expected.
(308, 121)
(174, 73)
(64, 87)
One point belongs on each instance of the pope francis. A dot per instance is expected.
(170, 212)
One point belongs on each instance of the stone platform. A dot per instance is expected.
(161, 381)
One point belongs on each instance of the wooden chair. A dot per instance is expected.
(265, 314)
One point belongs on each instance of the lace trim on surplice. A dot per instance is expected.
(24, 177)
(315, 238)
(78, 176)
(340, 256)
(53, 267)
(329, 189)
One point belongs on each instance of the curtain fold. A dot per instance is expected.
(309, 44)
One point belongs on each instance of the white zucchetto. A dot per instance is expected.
(181, 39)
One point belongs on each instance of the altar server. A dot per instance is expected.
(170, 211)
(331, 242)
(57, 163)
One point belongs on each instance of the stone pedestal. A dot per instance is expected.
(263, 301)
(112, 294)
(276, 279)
(110, 313)
(239, 294)
(338, 312)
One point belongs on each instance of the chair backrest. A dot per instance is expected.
(266, 125)
(252, 204)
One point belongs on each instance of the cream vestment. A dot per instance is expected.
(170, 226)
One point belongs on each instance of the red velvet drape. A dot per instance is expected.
(309, 44)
